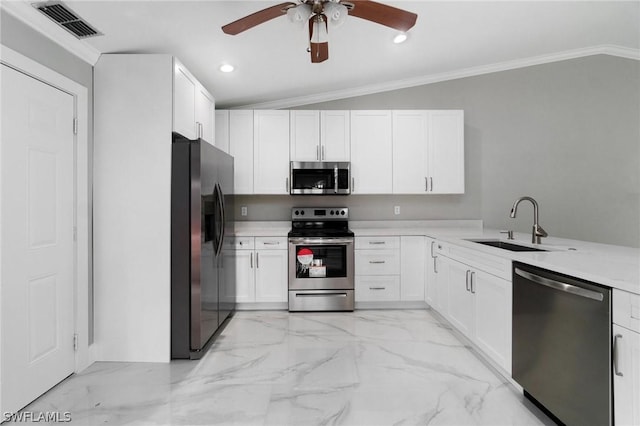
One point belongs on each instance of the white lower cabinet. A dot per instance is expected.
(626, 358)
(626, 377)
(477, 304)
(390, 269)
(412, 268)
(261, 269)
(271, 275)
(430, 272)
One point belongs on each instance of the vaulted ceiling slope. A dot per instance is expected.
(451, 39)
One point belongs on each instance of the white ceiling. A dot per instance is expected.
(451, 38)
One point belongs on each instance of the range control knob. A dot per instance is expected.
(296, 212)
(331, 213)
(302, 212)
(342, 213)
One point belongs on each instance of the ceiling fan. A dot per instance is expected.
(324, 14)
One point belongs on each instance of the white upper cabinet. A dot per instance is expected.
(271, 152)
(193, 106)
(205, 115)
(410, 162)
(305, 135)
(319, 135)
(446, 151)
(241, 148)
(335, 135)
(371, 152)
(184, 102)
(222, 129)
(428, 151)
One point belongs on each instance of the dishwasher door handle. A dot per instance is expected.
(558, 285)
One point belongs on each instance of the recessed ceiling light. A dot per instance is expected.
(399, 38)
(226, 67)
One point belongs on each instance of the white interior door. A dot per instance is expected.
(37, 253)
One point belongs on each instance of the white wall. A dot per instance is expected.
(565, 133)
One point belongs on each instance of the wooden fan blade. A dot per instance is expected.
(257, 18)
(379, 13)
(319, 51)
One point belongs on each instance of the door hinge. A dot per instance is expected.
(75, 126)
(75, 342)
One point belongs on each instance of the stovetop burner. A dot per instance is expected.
(320, 222)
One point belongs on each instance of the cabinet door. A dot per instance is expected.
(184, 99)
(371, 153)
(271, 152)
(626, 377)
(410, 152)
(335, 135)
(442, 286)
(271, 275)
(430, 293)
(446, 152)
(460, 297)
(245, 280)
(222, 130)
(412, 268)
(241, 148)
(305, 135)
(205, 115)
(493, 301)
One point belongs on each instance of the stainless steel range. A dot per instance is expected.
(320, 260)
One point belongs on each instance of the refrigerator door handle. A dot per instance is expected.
(220, 231)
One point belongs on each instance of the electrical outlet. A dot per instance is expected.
(396, 210)
(243, 210)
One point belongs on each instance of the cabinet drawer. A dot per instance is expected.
(377, 262)
(626, 309)
(374, 243)
(377, 289)
(239, 243)
(271, 243)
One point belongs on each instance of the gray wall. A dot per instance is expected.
(17, 36)
(565, 133)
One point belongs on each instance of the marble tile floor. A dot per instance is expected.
(376, 367)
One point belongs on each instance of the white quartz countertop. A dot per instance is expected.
(613, 266)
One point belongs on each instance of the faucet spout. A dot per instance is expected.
(537, 232)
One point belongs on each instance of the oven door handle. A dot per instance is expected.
(321, 241)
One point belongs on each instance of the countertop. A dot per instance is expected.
(613, 266)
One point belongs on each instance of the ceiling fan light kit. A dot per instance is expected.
(400, 38)
(320, 14)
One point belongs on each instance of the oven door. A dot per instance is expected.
(321, 263)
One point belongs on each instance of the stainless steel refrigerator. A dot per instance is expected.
(202, 271)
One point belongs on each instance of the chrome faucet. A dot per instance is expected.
(537, 231)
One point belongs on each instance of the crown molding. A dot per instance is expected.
(24, 12)
(612, 50)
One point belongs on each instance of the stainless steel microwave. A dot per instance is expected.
(320, 178)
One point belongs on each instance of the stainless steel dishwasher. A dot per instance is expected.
(562, 345)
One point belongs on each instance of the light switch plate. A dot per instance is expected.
(243, 210)
(396, 210)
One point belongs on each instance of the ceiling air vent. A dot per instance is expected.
(67, 19)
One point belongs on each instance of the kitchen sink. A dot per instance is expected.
(506, 246)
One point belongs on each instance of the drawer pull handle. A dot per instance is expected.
(271, 243)
(377, 288)
(377, 242)
(377, 261)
